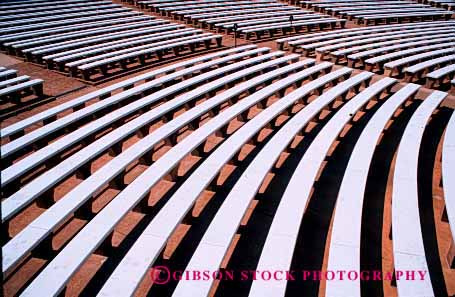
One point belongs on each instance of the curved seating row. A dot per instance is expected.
(218, 89)
(253, 18)
(396, 50)
(95, 38)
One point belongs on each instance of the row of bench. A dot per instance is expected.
(113, 38)
(13, 88)
(377, 12)
(259, 18)
(447, 4)
(420, 51)
(224, 81)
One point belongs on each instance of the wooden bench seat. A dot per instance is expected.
(438, 76)
(345, 243)
(315, 37)
(140, 187)
(158, 51)
(14, 93)
(17, 37)
(218, 237)
(297, 26)
(8, 74)
(39, 20)
(13, 81)
(408, 245)
(72, 21)
(17, 129)
(19, 14)
(18, 248)
(377, 62)
(448, 175)
(416, 71)
(397, 65)
(14, 171)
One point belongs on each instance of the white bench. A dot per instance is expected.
(36, 41)
(377, 62)
(282, 42)
(29, 21)
(7, 10)
(345, 243)
(17, 248)
(72, 21)
(308, 45)
(37, 53)
(7, 74)
(195, 17)
(13, 81)
(375, 18)
(14, 171)
(17, 129)
(228, 26)
(158, 51)
(344, 48)
(357, 54)
(147, 36)
(174, 208)
(218, 237)
(448, 178)
(417, 70)
(437, 76)
(17, 37)
(77, 250)
(73, 66)
(163, 33)
(408, 246)
(397, 65)
(14, 92)
(297, 26)
(19, 14)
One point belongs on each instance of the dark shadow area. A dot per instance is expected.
(189, 243)
(310, 246)
(427, 157)
(248, 249)
(374, 197)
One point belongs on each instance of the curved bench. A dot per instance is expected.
(448, 178)
(408, 246)
(345, 243)
(180, 203)
(438, 76)
(377, 62)
(38, 157)
(223, 227)
(16, 129)
(24, 242)
(132, 195)
(417, 70)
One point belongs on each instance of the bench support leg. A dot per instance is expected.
(46, 200)
(44, 249)
(105, 248)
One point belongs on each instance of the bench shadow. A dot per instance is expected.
(374, 199)
(431, 138)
